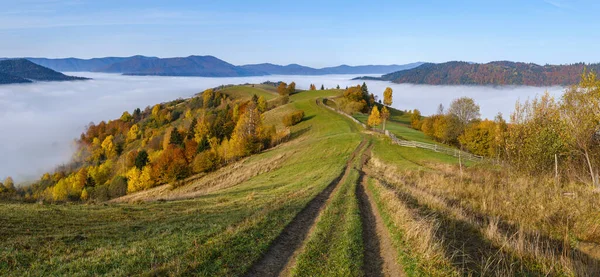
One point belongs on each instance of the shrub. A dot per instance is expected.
(293, 118)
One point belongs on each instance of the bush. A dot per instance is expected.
(293, 118)
(117, 187)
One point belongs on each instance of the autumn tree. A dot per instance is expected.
(374, 118)
(291, 89)
(464, 109)
(480, 138)
(208, 98)
(171, 165)
(536, 134)
(9, 184)
(581, 116)
(134, 133)
(282, 89)
(313, 87)
(415, 119)
(387, 96)
(246, 133)
(262, 104)
(385, 114)
(126, 117)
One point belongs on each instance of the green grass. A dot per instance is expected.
(218, 234)
(223, 232)
(335, 248)
(247, 91)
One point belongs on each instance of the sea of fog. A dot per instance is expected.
(39, 121)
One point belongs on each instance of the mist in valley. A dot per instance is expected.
(39, 122)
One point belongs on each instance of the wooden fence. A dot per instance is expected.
(408, 143)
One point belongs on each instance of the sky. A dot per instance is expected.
(312, 33)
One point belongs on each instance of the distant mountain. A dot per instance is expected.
(76, 65)
(205, 66)
(23, 71)
(10, 79)
(295, 69)
(493, 73)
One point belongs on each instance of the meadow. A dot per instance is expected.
(303, 209)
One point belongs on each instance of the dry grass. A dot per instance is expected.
(203, 184)
(504, 224)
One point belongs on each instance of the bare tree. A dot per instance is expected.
(464, 109)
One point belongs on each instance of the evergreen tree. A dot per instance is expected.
(176, 137)
(141, 159)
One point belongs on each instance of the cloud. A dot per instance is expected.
(39, 121)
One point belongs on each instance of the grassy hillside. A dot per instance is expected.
(335, 200)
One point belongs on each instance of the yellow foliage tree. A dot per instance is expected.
(60, 192)
(262, 104)
(374, 118)
(415, 119)
(85, 195)
(385, 114)
(109, 147)
(134, 133)
(138, 180)
(387, 96)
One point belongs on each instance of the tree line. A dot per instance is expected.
(165, 143)
(545, 135)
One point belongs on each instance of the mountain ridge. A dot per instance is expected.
(14, 71)
(203, 66)
(492, 73)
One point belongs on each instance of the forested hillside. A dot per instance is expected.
(493, 73)
(23, 71)
(165, 144)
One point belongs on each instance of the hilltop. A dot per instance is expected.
(24, 71)
(493, 73)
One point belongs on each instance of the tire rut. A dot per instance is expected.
(380, 257)
(280, 257)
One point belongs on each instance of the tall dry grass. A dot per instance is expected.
(526, 224)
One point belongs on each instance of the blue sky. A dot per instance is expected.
(314, 33)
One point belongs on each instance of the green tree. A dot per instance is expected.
(141, 159)
(176, 137)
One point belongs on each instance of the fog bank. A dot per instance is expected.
(39, 121)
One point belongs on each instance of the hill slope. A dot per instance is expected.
(22, 71)
(335, 200)
(493, 73)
